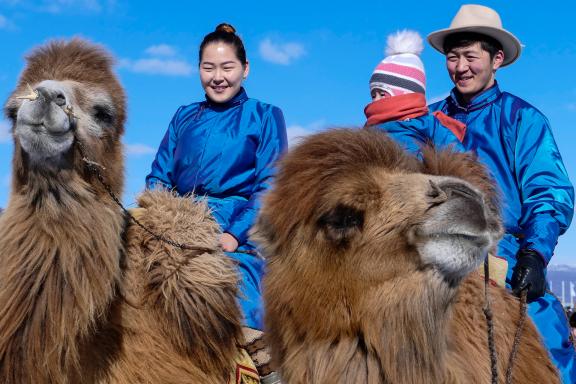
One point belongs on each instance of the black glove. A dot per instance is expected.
(529, 274)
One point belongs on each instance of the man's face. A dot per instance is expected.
(471, 69)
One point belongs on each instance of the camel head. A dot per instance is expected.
(367, 248)
(66, 95)
(350, 206)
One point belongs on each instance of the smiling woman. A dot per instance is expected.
(223, 64)
(223, 149)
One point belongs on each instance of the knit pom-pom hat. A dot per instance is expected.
(401, 71)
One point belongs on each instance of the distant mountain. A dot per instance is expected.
(559, 273)
(561, 268)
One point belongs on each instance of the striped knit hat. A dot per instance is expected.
(401, 71)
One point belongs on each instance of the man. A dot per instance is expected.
(515, 142)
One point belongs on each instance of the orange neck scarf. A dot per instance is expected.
(393, 108)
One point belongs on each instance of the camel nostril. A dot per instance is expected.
(436, 194)
(455, 189)
(52, 95)
(60, 99)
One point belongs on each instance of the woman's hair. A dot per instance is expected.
(465, 39)
(227, 34)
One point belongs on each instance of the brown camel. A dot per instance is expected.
(85, 297)
(370, 279)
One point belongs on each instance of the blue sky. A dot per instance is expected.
(311, 58)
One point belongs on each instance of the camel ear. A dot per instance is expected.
(341, 224)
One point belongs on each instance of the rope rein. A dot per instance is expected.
(517, 336)
(490, 323)
(95, 168)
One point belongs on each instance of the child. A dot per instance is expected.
(397, 88)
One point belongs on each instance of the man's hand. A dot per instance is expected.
(228, 242)
(529, 274)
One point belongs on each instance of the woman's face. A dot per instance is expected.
(221, 73)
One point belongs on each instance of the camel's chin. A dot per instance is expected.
(455, 255)
(41, 146)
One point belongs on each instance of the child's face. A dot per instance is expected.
(378, 94)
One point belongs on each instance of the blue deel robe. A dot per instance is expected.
(514, 140)
(225, 153)
(412, 133)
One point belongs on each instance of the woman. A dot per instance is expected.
(224, 148)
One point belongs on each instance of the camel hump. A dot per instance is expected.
(192, 292)
(137, 213)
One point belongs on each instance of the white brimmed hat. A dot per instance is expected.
(483, 20)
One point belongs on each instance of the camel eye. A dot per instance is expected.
(103, 114)
(341, 224)
(12, 113)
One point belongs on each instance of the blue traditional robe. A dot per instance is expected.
(515, 141)
(225, 152)
(411, 134)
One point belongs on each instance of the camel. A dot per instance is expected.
(371, 258)
(85, 296)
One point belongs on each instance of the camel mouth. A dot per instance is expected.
(40, 128)
(478, 240)
(455, 252)
(42, 143)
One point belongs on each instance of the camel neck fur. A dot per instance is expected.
(395, 338)
(61, 247)
(410, 332)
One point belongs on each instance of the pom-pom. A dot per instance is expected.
(405, 41)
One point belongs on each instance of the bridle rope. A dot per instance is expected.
(95, 168)
(490, 323)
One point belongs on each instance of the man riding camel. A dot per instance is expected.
(514, 140)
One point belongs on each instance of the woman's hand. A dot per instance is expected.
(228, 242)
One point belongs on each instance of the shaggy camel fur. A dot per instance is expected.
(84, 298)
(370, 254)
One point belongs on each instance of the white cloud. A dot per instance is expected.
(436, 99)
(278, 53)
(138, 149)
(5, 135)
(297, 132)
(154, 66)
(161, 50)
(62, 6)
(5, 23)
(164, 61)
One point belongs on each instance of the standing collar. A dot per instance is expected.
(479, 101)
(238, 99)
